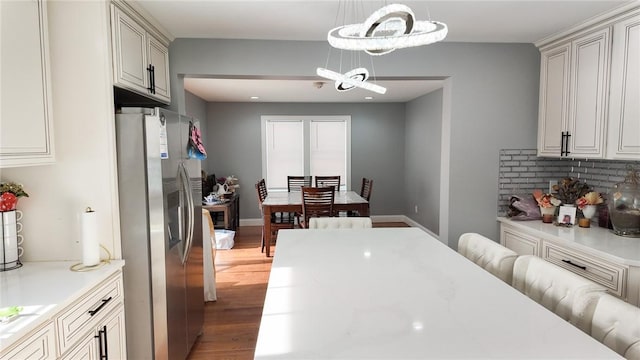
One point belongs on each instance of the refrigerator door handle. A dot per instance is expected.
(190, 213)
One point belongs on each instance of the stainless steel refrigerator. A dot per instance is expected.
(161, 230)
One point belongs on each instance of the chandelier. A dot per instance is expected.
(388, 28)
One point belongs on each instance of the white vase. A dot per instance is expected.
(547, 210)
(589, 211)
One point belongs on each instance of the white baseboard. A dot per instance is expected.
(251, 222)
(376, 218)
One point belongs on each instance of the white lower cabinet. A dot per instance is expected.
(38, 345)
(619, 277)
(91, 327)
(610, 275)
(106, 341)
(519, 242)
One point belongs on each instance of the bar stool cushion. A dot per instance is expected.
(617, 325)
(488, 254)
(568, 295)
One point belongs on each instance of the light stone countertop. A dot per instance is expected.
(43, 289)
(399, 293)
(594, 240)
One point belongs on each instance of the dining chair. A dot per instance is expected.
(568, 295)
(295, 183)
(323, 181)
(366, 188)
(488, 254)
(365, 193)
(616, 324)
(209, 257)
(278, 220)
(317, 202)
(340, 223)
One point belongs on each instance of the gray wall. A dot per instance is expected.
(234, 130)
(493, 104)
(423, 131)
(197, 109)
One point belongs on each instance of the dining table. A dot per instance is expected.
(400, 293)
(291, 202)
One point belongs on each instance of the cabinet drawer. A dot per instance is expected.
(81, 316)
(39, 345)
(609, 275)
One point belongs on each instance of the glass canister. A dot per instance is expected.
(624, 205)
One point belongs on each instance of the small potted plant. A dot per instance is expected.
(547, 203)
(10, 192)
(569, 190)
(587, 203)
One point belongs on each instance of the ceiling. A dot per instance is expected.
(518, 21)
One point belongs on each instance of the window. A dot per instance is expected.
(305, 145)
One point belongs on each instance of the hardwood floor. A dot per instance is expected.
(231, 323)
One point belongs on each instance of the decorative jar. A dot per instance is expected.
(624, 205)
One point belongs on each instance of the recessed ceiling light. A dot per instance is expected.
(368, 97)
(255, 97)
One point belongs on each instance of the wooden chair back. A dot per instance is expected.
(295, 183)
(366, 188)
(323, 181)
(317, 202)
(261, 188)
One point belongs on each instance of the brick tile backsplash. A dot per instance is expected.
(522, 171)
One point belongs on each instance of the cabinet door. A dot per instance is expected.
(89, 347)
(116, 334)
(39, 345)
(554, 97)
(521, 243)
(589, 83)
(624, 103)
(26, 126)
(129, 51)
(159, 58)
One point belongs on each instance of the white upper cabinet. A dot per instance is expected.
(159, 59)
(129, 45)
(624, 99)
(26, 118)
(588, 92)
(573, 79)
(590, 89)
(140, 59)
(554, 100)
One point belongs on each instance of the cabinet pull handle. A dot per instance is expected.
(153, 79)
(104, 302)
(150, 72)
(102, 343)
(562, 144)
(576, 265)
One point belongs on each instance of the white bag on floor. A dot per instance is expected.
(224, 239)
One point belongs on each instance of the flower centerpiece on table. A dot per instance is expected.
(9, 194)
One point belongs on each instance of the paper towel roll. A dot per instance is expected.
(90, 243)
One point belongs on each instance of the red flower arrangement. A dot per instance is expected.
(9, 194)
